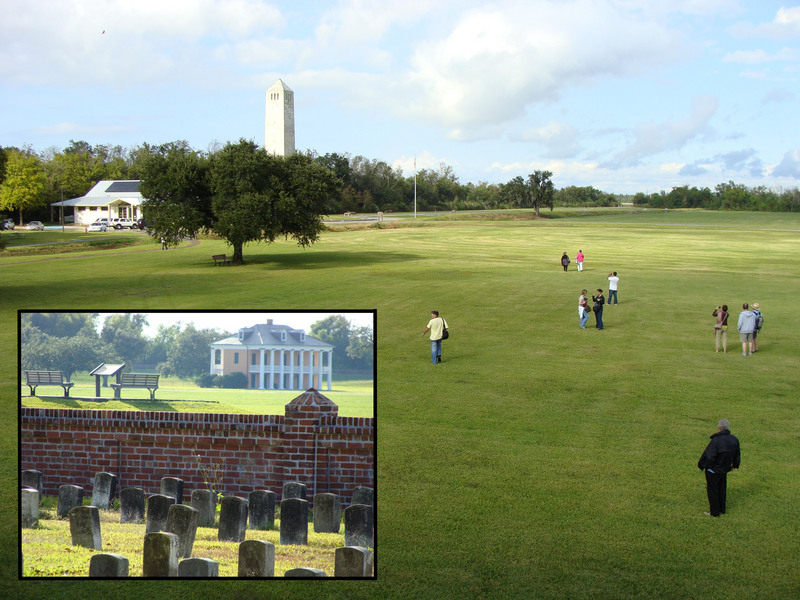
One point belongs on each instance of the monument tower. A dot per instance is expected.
(279, 128)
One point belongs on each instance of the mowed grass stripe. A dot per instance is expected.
(538, 460)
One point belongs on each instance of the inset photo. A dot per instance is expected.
(197, 444)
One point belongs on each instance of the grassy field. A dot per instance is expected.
(538, 460)
(354, 398)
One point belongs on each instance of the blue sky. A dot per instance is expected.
(624, 95)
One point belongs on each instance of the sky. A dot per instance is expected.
(232, 321)
(624, 95)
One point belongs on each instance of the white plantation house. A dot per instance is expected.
(109, 199)
(274, 357)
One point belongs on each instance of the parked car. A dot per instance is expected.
(8, 224)
(35, 226)
(120, 222)
(140, 224)
(96, 226)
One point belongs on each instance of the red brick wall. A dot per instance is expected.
(260, 451)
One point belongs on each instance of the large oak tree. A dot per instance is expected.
(242, 193)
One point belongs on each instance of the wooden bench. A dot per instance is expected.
(136, 380)
(36, 378)
(221, 259)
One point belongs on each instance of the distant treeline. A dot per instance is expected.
(30, 181)
(726, 196)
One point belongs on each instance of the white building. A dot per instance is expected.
(279, 120)
(274, 357)
(110, 199)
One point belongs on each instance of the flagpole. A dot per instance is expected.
(415, 186)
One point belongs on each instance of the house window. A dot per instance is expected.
(267, 354)
(236, 358)
(217, 356)
(253, 380)
(254, 358)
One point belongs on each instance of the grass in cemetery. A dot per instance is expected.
(538, 460)
(353, 397)
(49, 551)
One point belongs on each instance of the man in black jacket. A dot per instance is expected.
(720, 456)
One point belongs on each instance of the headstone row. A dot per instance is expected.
(161, 558)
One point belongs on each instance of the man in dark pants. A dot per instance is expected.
(599, 301)
(720, 456)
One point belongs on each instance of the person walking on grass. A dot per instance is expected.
(613, 282)
(565, 261)
(720, 456)
(437, 326)
(759, 323)
(583, 309)
(579, 260)
(721, 327)
(599, 301)
(746, 325)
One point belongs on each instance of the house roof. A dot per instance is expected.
(106, 192)
(269, 335)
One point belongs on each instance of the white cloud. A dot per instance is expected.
(496, 61)
(98, 42)
(560, 139)
(652, 138)
(789, 166)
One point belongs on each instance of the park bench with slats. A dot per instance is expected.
(221, 259)
(136, 380)
(37, 378)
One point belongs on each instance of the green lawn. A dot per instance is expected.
(354, 398)
(538, 460)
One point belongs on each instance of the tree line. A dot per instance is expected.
(72, 342)
(31, 181)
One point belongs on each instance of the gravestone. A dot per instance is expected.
(160, 556)
(157, 512)
(69, 496)
(232, 519)
(364, 495)
(353, 561)
(294, 489)
(172, 486)
(256, 559)
(182, 521)
(131, 505)
(294, 522)
(205, 503)
(198, 567)
(261, 509)
(32, 479)
(29, 509)
(108, 565)
(327, 513)
(84, 526)
(358, 525)
(304, 572)
(101, 491)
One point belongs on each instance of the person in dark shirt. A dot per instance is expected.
(599, 301)
(720, 456)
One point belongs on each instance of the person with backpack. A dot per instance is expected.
(758, 325)
(721, 327)
(599, 301)
(438, 328)
(565, 261)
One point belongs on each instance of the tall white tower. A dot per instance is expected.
(279, 128)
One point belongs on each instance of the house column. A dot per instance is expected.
(291, 369)
(280, 369)
(211, 364)
(330, 368)
(261, 370)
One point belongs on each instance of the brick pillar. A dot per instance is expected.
(303, 416)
